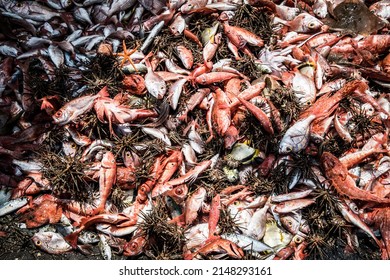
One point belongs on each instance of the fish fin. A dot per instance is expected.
(85, 249)
(103, 92)
(282, 21)
(192, 178)
(72, 239)
(353, 176)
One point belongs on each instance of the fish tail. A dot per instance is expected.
(72, 239)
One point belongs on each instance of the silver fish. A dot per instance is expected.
(105, 249)
(82, 15)
(28, 166)
(256, 227)
(5, 195)
(304, 89)
(174, 92)
(8, 49)
(295, 176)
(51, 242)
(31, 10)
(157, 133)
(155, 85)
(247, 243)
(12, 205)
(56, 55)
(296, 137)
(120, 5)
(320, 8)
(153, 33)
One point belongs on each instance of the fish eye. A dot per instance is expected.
(179, 191)
(73, 145)
(133, 246)
(288, 149)
(128, 154)
(298, 239)
(312, 25)
(38, 243)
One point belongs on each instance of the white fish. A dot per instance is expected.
(296, 137)
(105, 249)
(174, 92)
(256, 227)
(247, 243)
(155, 85)
(51, 242)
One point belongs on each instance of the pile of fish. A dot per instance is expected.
(197, 129)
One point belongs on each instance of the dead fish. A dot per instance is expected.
(247, 243)
(71, 110)
(9, 49)
(185, 56)
(174, 93)
(51, 242)
(296, 137)
(31, 10)
(304, 89)
(381, 9)
(153, 33)
(155, 85)
(178, 25)
(120, 5)
(28, 166)
(12, 205)
(56, 55)
(320, 8)
(354, 15)
(105, 249)
(292, 205)
(303, 23)
(157, 133)
(82, 15)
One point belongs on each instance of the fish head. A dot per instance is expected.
(61, 117)
(134, 247)
(108, 160)
(88, 237)
(290, 224)
(310, 23)
(66, 3)
(69, 148)
(179, 193)
(320, 9)
(285, 147)
(41, 240)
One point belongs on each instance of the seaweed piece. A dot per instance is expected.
(67, 176)
(103, 70)
(163, 237)
(255, 20)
